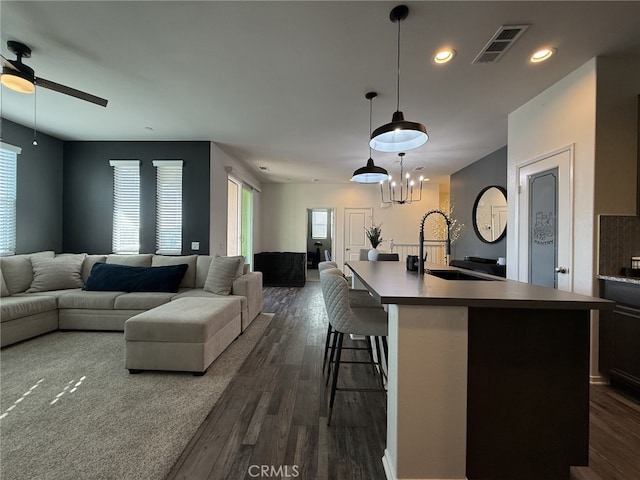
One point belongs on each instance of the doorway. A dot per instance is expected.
(239, 219)
(320, 227)
(545, 220)
(356, 220)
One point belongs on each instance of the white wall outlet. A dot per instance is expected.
(195, 245)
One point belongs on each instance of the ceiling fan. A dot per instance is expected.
(21, 78)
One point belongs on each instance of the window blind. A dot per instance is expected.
(8, 193)
(168, 207)
(126, 206)
(319, 221)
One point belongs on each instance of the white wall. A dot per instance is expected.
(596, 109)
(284, 221)
(562, 115)
(220, 160)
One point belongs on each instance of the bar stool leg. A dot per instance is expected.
(326, 347)
(334, 340)
(334, 383)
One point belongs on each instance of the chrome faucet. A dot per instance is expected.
(421, 239)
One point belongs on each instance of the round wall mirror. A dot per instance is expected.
(490, 214)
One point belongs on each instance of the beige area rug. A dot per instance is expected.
(70, 410)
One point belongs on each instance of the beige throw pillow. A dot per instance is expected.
(4, 291)
(56, 273)
(223, 271)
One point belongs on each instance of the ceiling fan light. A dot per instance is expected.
(16, 80)
(370, 173)
(399, 135)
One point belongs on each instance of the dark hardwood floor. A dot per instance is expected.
(271, 420)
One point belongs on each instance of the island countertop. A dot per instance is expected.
(391, 283)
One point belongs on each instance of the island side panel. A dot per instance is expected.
(427, 392)
(528, 393)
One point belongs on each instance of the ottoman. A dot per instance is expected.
(186, 334)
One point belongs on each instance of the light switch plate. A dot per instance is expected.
(195, 245)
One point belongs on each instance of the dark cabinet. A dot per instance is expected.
(281, 269)
(620, 335)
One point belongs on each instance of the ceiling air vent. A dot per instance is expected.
(500, 43)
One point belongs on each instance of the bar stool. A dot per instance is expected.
(357, 299)
(369, 322)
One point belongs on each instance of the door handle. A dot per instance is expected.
(562, 270)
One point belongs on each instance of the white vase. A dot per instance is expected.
(372, 255)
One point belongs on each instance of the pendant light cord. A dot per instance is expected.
(398, 80)
(370, 113)
(35, 96)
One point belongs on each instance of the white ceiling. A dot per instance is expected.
(282, 84)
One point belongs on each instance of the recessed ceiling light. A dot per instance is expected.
(444, 55)
(542, 55)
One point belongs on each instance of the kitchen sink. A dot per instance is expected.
(455, 275)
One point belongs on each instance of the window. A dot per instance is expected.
(319, 222)
(168, 206)
(8, 191)
(126, 206)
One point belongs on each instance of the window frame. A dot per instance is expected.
(126, 207)
(169, 174)
(8, 197)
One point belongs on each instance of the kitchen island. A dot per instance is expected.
(488, 378)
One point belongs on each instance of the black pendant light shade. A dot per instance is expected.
(370, 173)
(399, 135)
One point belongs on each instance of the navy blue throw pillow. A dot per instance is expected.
(127, 278)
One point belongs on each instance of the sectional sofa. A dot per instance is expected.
(43, 292)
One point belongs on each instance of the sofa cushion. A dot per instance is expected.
(142, 300)
(56, 273)
(4, 291)
(13, 308)
(222, 272)
(202, 269)
(17, 271)
(89, 300)
(88, 264)
(185, 320)
(139, 260)
(128, 278)
(189, 280)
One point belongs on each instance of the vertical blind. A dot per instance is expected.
(168, 207)
(8, 192)
(126, 206)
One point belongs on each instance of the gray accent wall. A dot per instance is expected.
(466, 184)
(39, 215)
(88, 197)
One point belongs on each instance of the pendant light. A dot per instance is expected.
(370, 173)
(400, 135)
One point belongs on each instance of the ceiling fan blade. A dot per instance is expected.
(8, 63)
(56, 87)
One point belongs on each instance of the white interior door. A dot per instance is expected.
(355, 222)
(498, 220)
(545, 220)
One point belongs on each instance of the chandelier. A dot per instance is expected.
(404, 191)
